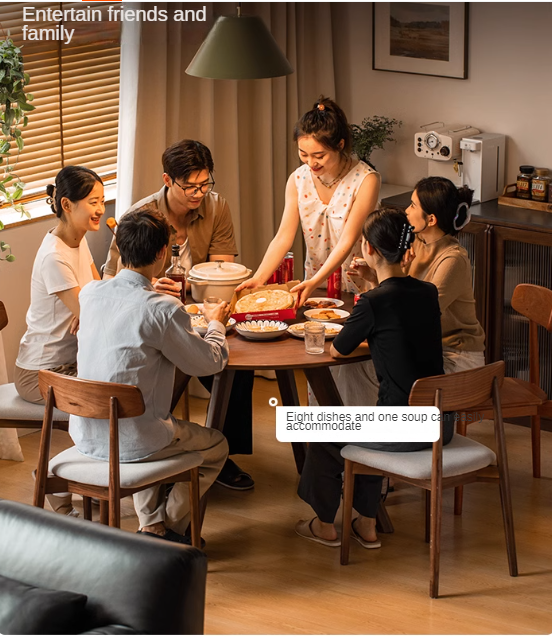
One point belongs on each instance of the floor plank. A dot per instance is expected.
(264, 579)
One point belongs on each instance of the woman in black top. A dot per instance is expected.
(400, 320)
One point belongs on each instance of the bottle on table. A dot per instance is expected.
(275, 277)
(523, 184)
(334, 285)
(176, 272)
(540, 185)
(286, 268)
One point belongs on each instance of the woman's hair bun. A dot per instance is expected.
(50, 191)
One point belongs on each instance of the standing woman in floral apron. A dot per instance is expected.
(331, 195)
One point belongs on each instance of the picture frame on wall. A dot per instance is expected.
(425, 38)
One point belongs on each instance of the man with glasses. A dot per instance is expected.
(201, 225)
(200, 219)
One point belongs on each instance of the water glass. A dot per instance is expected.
(314, 337)
(211, 302)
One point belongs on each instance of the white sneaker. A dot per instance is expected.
(73, 513)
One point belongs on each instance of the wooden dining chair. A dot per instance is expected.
(535, 303)
(462, 461)
(18, 413)
(521, 397)
(109, 481)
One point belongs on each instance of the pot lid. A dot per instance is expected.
(219, 271)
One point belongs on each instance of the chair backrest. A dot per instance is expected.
(90, 399)
(534, 302)
(459, 391)
(3, 316)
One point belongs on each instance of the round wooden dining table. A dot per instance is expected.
(284, 355)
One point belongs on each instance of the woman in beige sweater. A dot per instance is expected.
(438, 211)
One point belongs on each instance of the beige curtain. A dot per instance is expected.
(247, 124)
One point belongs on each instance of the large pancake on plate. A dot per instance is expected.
(265, 301)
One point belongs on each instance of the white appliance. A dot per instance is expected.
(465, 156)
(483, 165)
(440, 145)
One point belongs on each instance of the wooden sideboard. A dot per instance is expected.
(507, 246)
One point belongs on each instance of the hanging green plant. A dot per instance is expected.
(14, 105)
(371, 134)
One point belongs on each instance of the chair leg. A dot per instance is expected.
(427, 514)
(458, 500)
(535, 445)
(383, 521)
(461, 429)
(348, 488)
(87, 507)
(104, 512)
(114, 507)
(195, 512)
(508, 518)
(435, 541)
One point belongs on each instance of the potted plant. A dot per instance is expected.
(371, 134)
(14, 105)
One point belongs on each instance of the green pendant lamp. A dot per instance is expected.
(239, 48)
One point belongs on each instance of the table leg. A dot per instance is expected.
(323, 386)
(383, 521)
(220, 395)
(181, 381)
(290, 398)
(216, 414)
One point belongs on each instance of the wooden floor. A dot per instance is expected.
(264, 579)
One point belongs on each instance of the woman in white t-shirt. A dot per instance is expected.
(63, 265)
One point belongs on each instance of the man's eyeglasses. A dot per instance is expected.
(191, 191)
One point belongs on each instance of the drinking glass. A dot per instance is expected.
(211, 302)
(314, 337)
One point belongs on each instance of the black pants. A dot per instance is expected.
(320, 484)
(238, 425)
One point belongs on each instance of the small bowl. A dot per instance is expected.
(193, 305)
(312, 314)
(202, 330)
(321, 299)
(252, 330)
(296, 331)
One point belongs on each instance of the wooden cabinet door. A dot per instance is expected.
(476, 238)
(519, 256)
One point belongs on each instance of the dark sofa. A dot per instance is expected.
(133, 584)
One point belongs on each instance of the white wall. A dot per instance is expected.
(15, 278)
(508, 90)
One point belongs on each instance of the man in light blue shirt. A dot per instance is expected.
(131, 334)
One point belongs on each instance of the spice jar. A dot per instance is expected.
(540, 185)
(523, 184)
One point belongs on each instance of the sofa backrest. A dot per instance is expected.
(150, 585)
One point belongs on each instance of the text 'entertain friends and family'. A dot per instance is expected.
(114, 14)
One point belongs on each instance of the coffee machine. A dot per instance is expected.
(465, 156)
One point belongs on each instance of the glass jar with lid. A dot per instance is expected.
(524, 179)
(540, 184)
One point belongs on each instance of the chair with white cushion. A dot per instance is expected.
(18, 413)
(109, 481)
(462, 461)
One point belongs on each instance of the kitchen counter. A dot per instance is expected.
(494, 214)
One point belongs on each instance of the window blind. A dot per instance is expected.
(76, 94)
